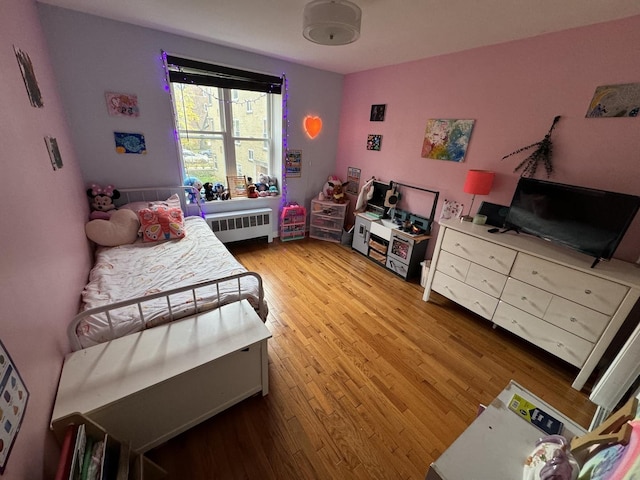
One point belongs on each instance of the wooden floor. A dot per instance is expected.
(367, 381)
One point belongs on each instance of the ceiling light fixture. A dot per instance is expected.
(331, 22)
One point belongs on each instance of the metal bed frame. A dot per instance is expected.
(128, 195)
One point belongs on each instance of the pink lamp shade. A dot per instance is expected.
(479, 182)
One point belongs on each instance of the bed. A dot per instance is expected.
(140, 285)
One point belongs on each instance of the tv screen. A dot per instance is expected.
(585, 219)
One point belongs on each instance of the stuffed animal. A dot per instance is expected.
(209, 192)
(327, 190)
(273, 191)
(262, 189)
(251, 188)
(102, 198)
(193, 195)
(338, 195)
(221, 191)
(268, 180)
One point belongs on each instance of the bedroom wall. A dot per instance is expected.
(93, 55)
(45, 255)
(513, 91)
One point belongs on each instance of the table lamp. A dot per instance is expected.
(478, 182)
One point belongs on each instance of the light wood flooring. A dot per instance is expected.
(367, 381)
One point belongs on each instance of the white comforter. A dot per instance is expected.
(141, 269)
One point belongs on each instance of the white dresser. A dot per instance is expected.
(541, 292)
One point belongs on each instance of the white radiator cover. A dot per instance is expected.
(242, 224)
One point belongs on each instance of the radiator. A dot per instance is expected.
(242, 225)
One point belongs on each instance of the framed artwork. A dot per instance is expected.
(54, 152)
(13, 403)
(130, 143)
(122, 104)
(447, 139)
(293, 167)
(377, 113)
(374, 142)
(237, 186)
(29, 78)
(353, 177)
(615, 101)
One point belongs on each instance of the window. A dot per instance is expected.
(229, 121)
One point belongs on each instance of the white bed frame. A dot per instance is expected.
(148, 386)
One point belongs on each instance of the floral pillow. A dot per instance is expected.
(172, 201)
(161, 222)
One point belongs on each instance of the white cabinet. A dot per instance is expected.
(546, 294)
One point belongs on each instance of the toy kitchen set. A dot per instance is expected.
(389, 236)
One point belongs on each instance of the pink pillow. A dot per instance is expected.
(160, 222)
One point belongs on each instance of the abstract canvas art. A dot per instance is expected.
(615, 101)
(374, 142)
(446, 139)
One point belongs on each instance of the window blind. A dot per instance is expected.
(183, 70)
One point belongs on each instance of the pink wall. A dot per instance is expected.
(45, 256)
(513, 91)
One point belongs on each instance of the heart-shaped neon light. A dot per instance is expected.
(312, 125)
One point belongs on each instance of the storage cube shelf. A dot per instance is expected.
(327, 220)
(293, 222)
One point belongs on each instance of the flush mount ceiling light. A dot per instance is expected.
(331, 22)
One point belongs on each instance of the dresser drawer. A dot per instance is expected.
(555, 340)
(453, 265)
(486, 280)
(580, 320)
(526, 297)
(593, 292)
(469, 297)
(487, 254)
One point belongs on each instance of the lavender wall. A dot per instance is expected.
(93, 55)
(513, 91)
(45, 255)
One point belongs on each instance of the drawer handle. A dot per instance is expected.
(560, 345)
(587, 291)
(534, 272)
(457, 244)
(514, 322)
(491, 257)
(524, 299)
(573, 319)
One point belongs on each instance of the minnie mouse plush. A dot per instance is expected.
(102, 198)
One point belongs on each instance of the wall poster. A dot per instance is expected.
(293, 164)
(13, 403)
(353, 177)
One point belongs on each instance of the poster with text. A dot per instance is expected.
(353, 177)
(294, 164)
(13, 403)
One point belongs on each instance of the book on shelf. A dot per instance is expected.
(66, 453)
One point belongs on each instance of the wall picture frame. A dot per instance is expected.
(378, 113)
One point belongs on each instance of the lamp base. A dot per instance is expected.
(466, 218)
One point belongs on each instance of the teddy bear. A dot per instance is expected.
(327, 190)
(193, 194)
(102, 198)
(209, 192)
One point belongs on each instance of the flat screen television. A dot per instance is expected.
(588, 220)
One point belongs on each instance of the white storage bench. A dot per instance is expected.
(150, 386)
